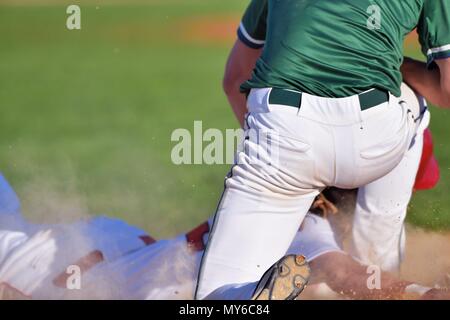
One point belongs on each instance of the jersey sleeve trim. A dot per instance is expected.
(438, 53)
(248, 40)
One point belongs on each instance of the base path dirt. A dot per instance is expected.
(427, 258)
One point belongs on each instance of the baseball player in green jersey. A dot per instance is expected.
(320, 83)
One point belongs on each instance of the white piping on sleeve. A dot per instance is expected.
(438, 50)
(249, 37)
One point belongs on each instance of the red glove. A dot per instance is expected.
(428, 174)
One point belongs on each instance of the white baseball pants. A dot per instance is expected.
(289, 155)
(378, 225)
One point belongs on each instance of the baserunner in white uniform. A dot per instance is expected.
(119, 261)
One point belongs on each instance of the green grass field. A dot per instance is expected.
(86, 116)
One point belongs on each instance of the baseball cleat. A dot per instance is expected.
(285, 280)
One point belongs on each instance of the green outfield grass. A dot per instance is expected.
(86, 116)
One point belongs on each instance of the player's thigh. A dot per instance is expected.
(393, 190)
(251, 231)
(378, 226)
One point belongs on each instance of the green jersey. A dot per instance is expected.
(338, 48)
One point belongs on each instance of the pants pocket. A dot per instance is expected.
(390, 140)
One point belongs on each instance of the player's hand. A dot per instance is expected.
(437, 294)
(325, 206)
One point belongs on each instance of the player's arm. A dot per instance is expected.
(246, 51)
(432, 80)
(239, 67)
(348, 277)
(444, 68)
(432, 84)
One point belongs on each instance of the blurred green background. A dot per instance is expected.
(87, 115)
